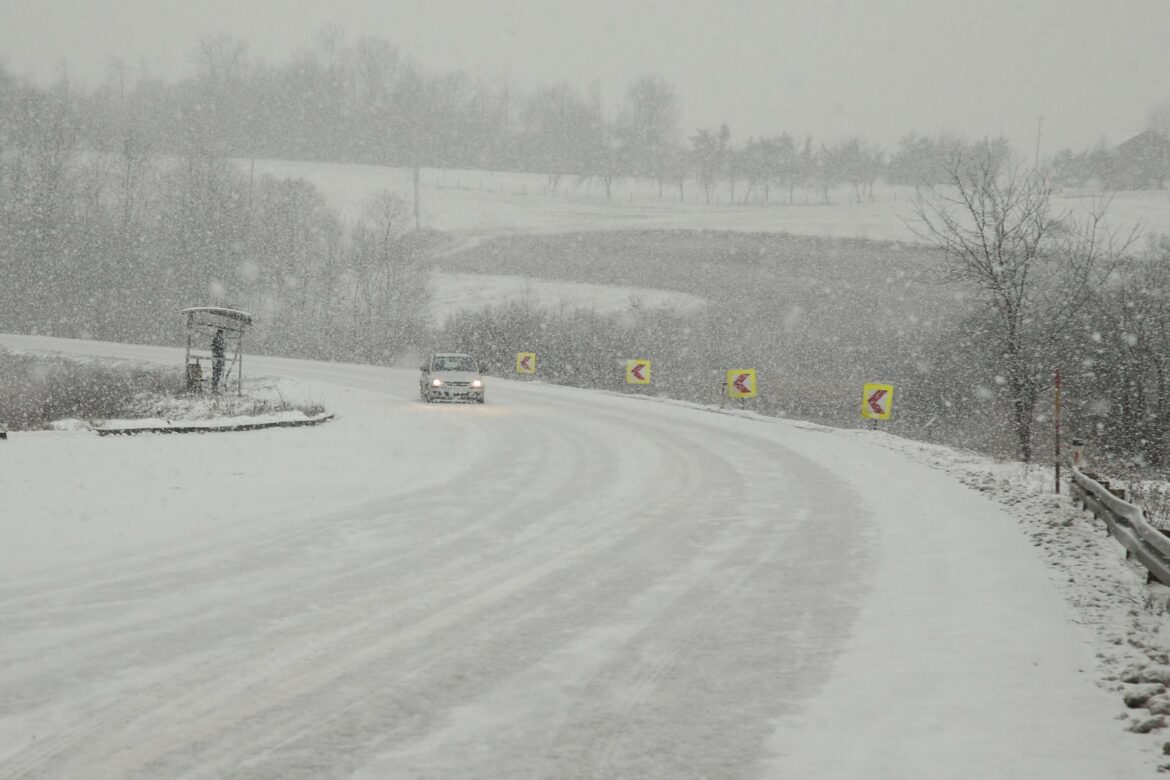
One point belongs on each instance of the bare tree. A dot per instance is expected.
(39, 195)
(390, 282)
(710, 154)
(1032, 269)
(828, 170)
(1159, 119)
(560, 130)
(215, 115)
(859, 163)
(648, 124)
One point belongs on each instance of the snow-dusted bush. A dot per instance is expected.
(34, 391)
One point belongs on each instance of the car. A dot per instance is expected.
(451, 376)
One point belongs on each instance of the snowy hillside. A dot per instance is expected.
(560, 583)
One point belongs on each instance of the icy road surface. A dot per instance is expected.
(558, 584)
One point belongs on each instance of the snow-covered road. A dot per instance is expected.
(557, 584)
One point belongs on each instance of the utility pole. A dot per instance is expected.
(506, 97)
(1039, 123)
(417, 206)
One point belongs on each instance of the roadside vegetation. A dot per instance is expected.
(820, 317)
(38, 391)
(35, 391)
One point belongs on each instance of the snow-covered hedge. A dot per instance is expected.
(35, 390)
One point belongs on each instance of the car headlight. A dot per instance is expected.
(436, 383)
(477, 383)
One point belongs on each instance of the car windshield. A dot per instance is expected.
(453, 363)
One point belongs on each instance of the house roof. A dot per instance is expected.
(1145, 142)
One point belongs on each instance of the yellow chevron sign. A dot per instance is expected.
(741, 383)
(877, 402)
(637, 372)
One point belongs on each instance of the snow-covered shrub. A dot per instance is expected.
(34, 391)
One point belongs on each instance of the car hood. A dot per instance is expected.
(455, 376)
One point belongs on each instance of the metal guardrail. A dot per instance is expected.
(1126, 523)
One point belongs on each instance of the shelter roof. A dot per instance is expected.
(217, 317)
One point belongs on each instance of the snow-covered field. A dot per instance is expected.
(479, 203)
(473, 205)
(459, 292)
(560, 583)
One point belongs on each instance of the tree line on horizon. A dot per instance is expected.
(366, 102)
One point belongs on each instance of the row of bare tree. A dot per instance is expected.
(101, 237)
(366, 102)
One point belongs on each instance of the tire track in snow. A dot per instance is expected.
(94, 723)
(576, 754)
(365, 682)
(50, 747)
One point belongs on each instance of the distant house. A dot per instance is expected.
(1141, 163)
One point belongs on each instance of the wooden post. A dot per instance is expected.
(417, 207)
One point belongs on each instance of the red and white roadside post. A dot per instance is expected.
(1056, 437)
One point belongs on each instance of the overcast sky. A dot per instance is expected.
(831, 68)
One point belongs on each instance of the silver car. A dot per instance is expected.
(451, 376)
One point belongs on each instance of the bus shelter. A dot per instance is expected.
(215, 354)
